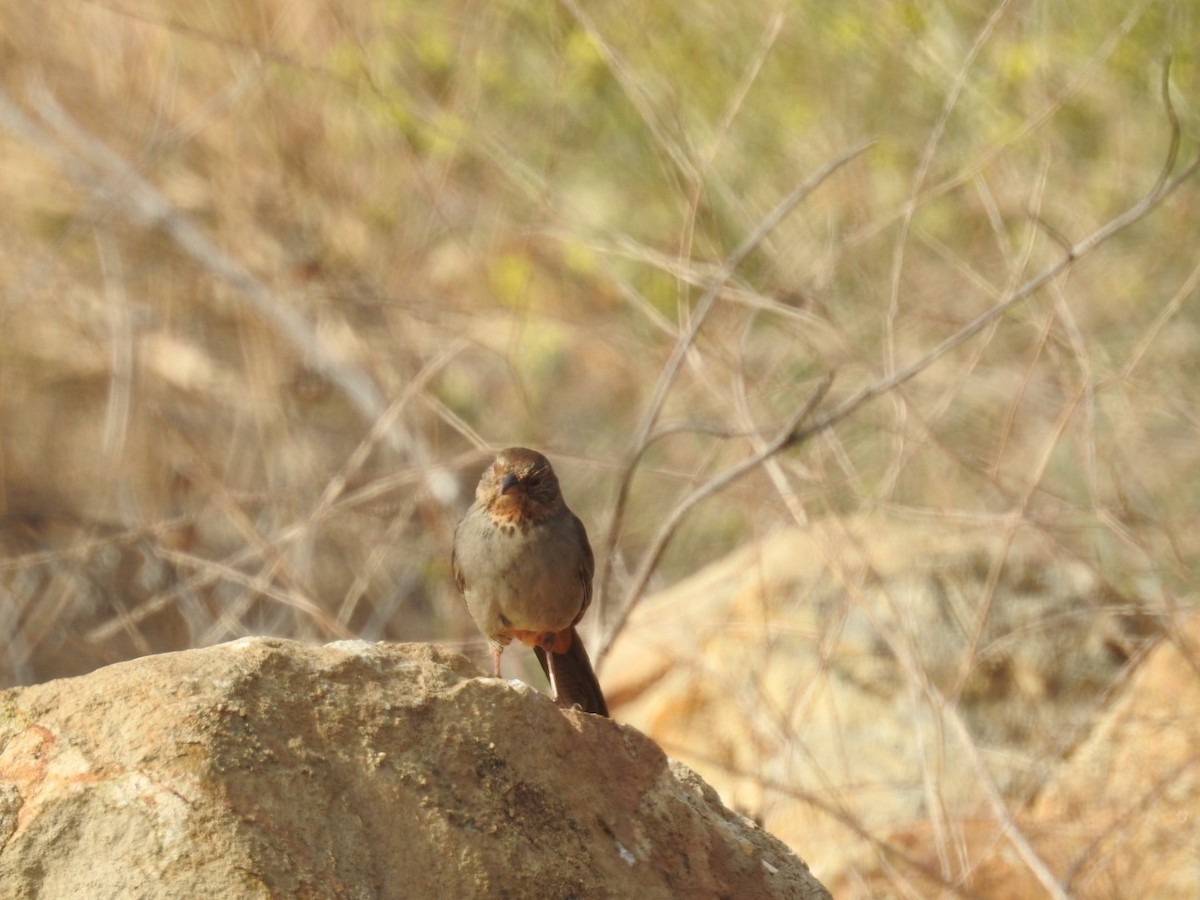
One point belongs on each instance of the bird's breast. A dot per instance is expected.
(529, 578)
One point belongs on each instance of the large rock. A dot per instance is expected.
(1121, 819)
(266, 768)
(843, 680)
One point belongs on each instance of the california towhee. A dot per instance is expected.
(524, 565)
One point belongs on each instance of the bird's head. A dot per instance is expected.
(519, 487)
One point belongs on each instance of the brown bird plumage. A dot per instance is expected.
(523, 563)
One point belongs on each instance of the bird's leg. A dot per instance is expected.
(496, 651)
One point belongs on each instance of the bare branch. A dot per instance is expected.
(1000, 811)
(1163, 188)
(666, 377)
(794, 435)
(714, 485)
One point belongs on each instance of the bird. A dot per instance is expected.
(522, 561)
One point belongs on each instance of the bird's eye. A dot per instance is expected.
(534, 480)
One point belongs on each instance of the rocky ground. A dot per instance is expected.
(267, 768)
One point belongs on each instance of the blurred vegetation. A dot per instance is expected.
(502, 214)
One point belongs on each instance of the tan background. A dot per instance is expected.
(275, 278)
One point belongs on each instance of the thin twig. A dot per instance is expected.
(712, 486)
(1000, 811)
(1032, 124)
(923, 165)
(1164, 187)
(666, 377)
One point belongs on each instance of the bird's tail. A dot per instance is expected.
(572, 678)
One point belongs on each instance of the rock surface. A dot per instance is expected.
(1121, 819)
(842, 681)
(266, 768)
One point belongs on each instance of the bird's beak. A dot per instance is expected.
(508, 481)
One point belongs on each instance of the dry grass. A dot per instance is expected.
(277, 278)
